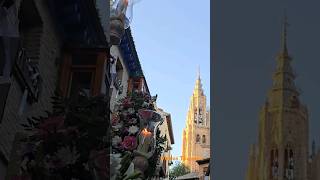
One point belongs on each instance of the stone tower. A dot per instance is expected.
(282, 149)
(196, 134)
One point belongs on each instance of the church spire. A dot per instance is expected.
(199, 72)
(198, 87)
(283, 78)
(285, 24)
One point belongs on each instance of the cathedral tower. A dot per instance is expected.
(196, 134)
(282, 149)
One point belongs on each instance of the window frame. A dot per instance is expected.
(68, 68)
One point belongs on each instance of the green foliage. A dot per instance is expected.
(80, 124)
(179, 169)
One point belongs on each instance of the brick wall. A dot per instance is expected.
(50, 46)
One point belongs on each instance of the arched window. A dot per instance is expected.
(203, 139)
(198, 138)
(294, 102)
(274, 163)
(288, 163)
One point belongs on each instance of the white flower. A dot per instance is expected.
(116, 140)
(68, 156)
(115, 165)
(131, 110)
(133, 129)
(118, 126)
(133, 120)
(86, 166)
(24, 163)
(145, 104)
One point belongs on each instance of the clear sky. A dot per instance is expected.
(172, 39)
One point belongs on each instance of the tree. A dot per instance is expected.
(179, 169)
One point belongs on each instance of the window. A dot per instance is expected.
(81, 81)
(203, 139)
(195, 117)
(135, 84)
(205, 169)
(288, 163)
(274, 170)
(198, 138)
(294, 102)
(82, 72)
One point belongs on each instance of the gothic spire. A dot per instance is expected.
(285, 24)
(198, 86)
(199, 72)
(283, 88)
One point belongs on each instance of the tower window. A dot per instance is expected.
(198, 138)
(274, 170)
(203, 139)
(289, 164)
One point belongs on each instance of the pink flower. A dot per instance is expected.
(126, 103)
(115, 119)
(129, 143)
(145, 114)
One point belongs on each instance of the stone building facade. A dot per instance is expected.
(43, 56)
(167, 131)
(196, 134)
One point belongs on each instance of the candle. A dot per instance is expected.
(145, 133)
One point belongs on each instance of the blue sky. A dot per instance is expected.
(172, 38)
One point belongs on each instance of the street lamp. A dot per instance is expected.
(120, 18)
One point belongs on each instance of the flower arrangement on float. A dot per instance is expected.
(136, 141)
(78, 141)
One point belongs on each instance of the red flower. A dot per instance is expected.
(51, 125)
(129, 143)
(69, 131)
